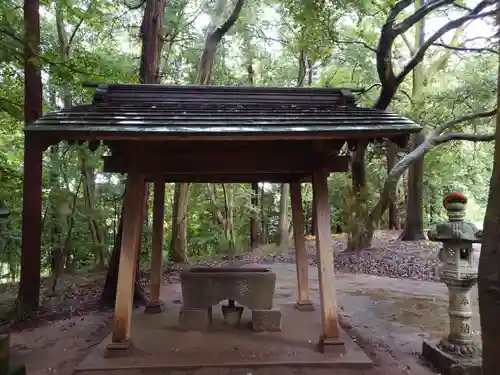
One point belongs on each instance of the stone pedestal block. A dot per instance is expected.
(7, 365)
(450, 364)
(154, 307)
(17, 369)
(266, 320)
(195, 319)
(4, 354)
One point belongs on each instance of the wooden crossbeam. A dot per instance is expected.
(197, 164)
(238, 178)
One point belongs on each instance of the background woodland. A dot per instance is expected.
(432, 61)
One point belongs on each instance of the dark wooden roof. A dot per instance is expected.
(191, 110)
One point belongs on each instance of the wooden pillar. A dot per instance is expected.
(303, 302)
(155, 305)
(132, 214)
(29, 285)
(330, 337)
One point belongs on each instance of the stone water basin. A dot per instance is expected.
(203, 287)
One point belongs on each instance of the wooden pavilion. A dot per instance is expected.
(219, 134)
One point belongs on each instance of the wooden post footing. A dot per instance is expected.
(118, 349)
(304, 306)
(331, 345)
(154, 307)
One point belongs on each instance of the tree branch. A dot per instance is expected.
(13, 109)
(135, 7)
(80, 22)
(460, 6)
(409, 44)
(419, 14)
(450, 124)
(367, 46)
(419, 55)
(77, 26)
(443, 138)
(465, 49)
(434, 139)
(231, 20)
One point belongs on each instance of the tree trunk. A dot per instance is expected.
(489, 261)
(152, 43)
(66, 248)
(413, 230)
(213, 36)
(393, 222)
(228, 222)
(54, 227)
(414, 223)
(313, 217)
(64, 51)
(263, 226)
(283, 233)
(226, 219)
(108, 295)
(88, 173)
(29, 286)
(254, 224)
(254, 219)
(178, 240)
(152, 35)
(283, 218)
(55, 224)
(355, 239)
(89, 197)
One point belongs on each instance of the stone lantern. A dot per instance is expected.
(459, 272)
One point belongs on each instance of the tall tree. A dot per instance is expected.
(29, 286)
(284, 234)
(152, 44)
(414, 223)
(489, 261)
(390, 81)
(254, 200)
(213, 37)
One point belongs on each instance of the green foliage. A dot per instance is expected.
(338, 38)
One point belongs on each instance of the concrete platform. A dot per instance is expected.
(158, 344)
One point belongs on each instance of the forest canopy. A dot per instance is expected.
(432, 62)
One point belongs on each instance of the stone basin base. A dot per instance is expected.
(253, 288)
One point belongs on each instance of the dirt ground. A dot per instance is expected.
(385, 306)
(387, 317)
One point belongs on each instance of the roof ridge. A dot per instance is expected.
(221, 94)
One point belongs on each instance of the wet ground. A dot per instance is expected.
(394, 315)
(399, 313)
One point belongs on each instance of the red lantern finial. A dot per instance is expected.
(454, 197)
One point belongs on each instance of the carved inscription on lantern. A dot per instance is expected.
(465, 329)
(464, 301)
